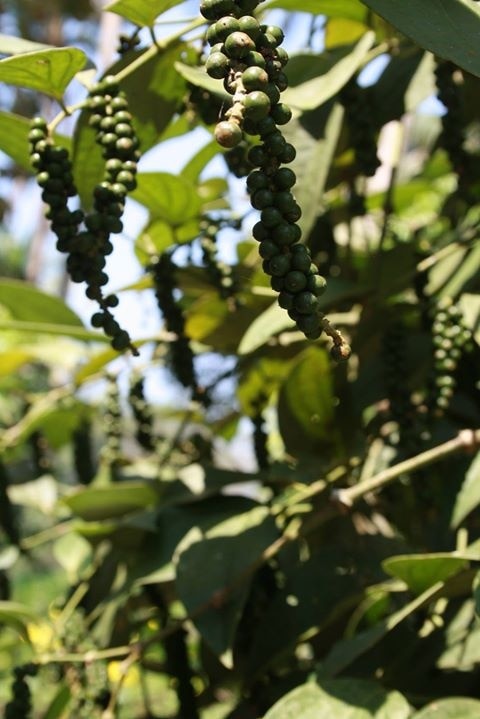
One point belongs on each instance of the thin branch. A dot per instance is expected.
(466, 440)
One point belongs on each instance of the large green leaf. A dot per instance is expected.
(197, 76)
(267, 324)
(305, 404)
(340, 699)
(173, 523)
(315, 92)
(421, 571)
(448, 28)
(10, 45)
(95, 503)
(168, 197)
(141, 12)
(227, 550)
(49, 328)
(56, 411)
(453, 708)
(59, 703)
(13, 138)
(48, 71)
(313, 162)
(469, 496)
(26, 303)
(350, 9)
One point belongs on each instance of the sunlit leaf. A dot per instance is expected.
(340, 699)
(421, 571)
(141, 12)
(95, 503)
(455, 708)
(47, 71)
(468, 497)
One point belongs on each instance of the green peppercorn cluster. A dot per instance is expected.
(200, 103)
(8, 515)
(358, 116)
(40, 453)
(249, 59)
(82, 447)
(181, 357)
(260, 436)
(237, 160)
(112, 424)
(20, 705)
(452, 137)
(395, 368)
(247, 56)
(451, 339)
(220, 273)
(142, 413)
(88, 247)
(109, 116)
(128, 42)
(89, 681)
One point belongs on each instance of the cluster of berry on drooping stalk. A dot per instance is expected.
(248, 57)
(112, 425)
(20, 705)
(180, 356)
(260, 434)
(451, 338)
(220, 273)
(85, 237)
(83, 452)
(401, 409)
(142, 413)
(363, 140)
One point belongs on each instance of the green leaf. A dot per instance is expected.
(196, 165)
(272, 320)
(198, 76)
(340, 31)
(59, 703)
(453, 708)
(96, 503)
(141, 12)
(17, 616)
(468, 497)
(13, 138)
(173, 523)
(55, 409)
(46, 328)
(10, 45)
(228, 550)
(28, 304)
(315, 92)
(448, 28)
(348, 650)
(351, 9)
(476, 593)
(313, 162)
(168, 197)
(305, 403)
(156, 237)
(47, 71)
(421, 571)
(340, 699)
